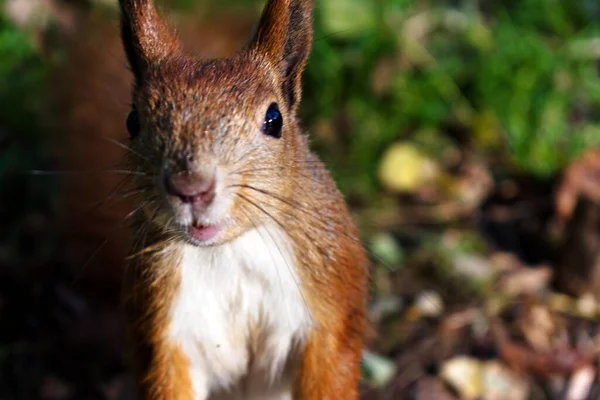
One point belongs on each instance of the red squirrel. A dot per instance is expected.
(247, 278)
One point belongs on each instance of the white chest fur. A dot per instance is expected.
(238, 314)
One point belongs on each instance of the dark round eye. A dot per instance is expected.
(133, 123)
(273, 121)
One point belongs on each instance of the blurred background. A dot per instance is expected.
(464, 134)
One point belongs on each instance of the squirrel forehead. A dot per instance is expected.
(208, 85)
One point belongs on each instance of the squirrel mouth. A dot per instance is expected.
(204, 233)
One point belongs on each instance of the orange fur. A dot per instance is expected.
(299, 195)
(161, 367)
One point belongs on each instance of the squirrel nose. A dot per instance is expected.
(191, 188)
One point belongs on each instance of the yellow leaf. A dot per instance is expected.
(404, 168)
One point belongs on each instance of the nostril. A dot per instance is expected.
(191, 188)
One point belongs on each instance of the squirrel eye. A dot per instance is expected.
(273, 121)
(133, 123)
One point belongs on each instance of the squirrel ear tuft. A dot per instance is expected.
(284, 36)
(146, 37)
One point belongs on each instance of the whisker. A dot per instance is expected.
(288, 202)
(123, 146)
(253, 172)
(119, 196)
(283, 228)
(111, 171)
(273, 257)
(315, 217)
(245, 158)
(301, 164)
(144, 230)
(107, 238)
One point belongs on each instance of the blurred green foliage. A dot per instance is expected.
(518, 80)
(22, 76)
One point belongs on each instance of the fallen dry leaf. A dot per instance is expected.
(500, 383)
(560, 361)
(465, 375)
(429, 303)
(430, 388)
(525, 281)
(538, 327)
(587, 306)
(581, 383)
(582, 178)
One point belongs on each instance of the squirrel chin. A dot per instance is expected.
(204, 234)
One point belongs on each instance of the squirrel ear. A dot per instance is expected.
(146, 37)
(284, 36)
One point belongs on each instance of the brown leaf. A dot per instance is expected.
(538, 326)
(525, 281)
(430, 388)
(581, 383)
(582, 178)
(561, 361)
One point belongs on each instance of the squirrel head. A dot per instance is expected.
(216, 142)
